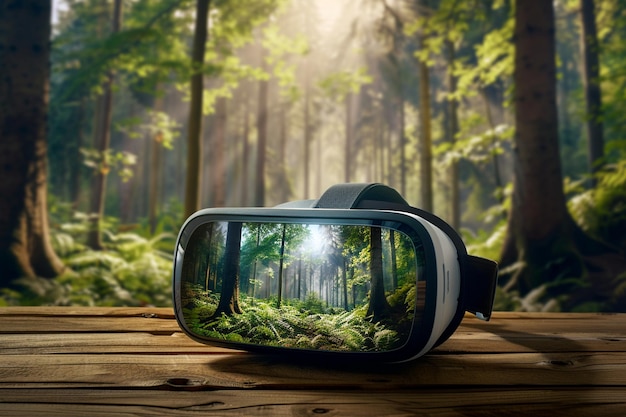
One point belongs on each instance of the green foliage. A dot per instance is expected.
(104, 162)
(292, 325)
(601, 211)
(340, 84)
(157, 124)
(131, 271)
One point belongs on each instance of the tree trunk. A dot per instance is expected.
(425, 151)
(402, 128)
(102, 139)
(542, 238)
(194, 131)
(348, 144)
(591, 85)
(378, 307)
(229, 298)
(394, 259)
(218, 155)
(308, 130)
(245, 163)
(453, 130)
(156, 185)
(538, 215)
(261, 124)
(281, 268)
(25, 249)
(344, 283)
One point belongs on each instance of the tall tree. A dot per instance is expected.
(218, 154)
(229, 298)
(542, 239)
(538, 216)
(591, 84)
(378, 307)
(25, 248)
(194, 130)
(102, 139)
(452, 131)
(261, 127)
(281, 265)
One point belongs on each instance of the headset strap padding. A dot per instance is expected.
(347, 196)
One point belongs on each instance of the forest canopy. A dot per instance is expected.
(156, 108)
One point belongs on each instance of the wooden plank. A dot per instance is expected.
(34, 319)
(76, 332)
(216, 371)
(436, 402)
(80, 324)
(23, 311)
(94, 343)
(177, 342)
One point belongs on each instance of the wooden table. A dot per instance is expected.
(67, 361)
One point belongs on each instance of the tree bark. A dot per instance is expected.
(156, 163)
(402, 145)
(378, 307)
(281, 266)
(25, 249)
(425, 151)
(194, 132)
(348, 143)
(538, 214)
(591, 85)
(229, 298)
(453, 130)
(245, 168)
(218, 154)
(308, 132)
(542, 238)
(261, 125)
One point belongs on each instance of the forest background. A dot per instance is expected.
(505, 118)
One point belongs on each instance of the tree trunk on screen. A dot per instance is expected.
(344, 284)
(194, 130)
(281, 268)
(591, 85)
(229, 298)
(394, 259)
(378, 307)
(542, 238)
(25, 249)
(102, 138)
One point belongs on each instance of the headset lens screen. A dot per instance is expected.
(334, 287)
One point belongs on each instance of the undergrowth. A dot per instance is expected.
(291, 325)
(133, 270)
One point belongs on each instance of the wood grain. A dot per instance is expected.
(72, 361)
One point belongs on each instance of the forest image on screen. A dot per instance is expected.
(310, 286)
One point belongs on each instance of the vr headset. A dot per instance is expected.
(356, 275)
